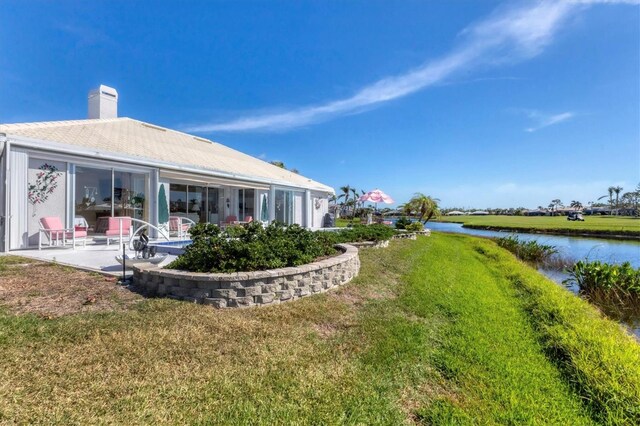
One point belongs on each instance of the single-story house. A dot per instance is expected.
(82, 170)
(456, 213)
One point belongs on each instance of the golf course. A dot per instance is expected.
(606, 226)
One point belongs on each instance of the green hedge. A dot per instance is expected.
(251, 247)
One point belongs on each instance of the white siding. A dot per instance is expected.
(18, 166)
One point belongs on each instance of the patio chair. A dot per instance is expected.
(230, 220)
(109, 227)
(177, 227)
(248, 219)
(52, 228)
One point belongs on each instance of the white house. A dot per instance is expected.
(110, 166)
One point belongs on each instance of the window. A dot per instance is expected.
(197, 203)
(284, 206)
(178, 198)
(92, 194)
(246, 200)
(107, 192)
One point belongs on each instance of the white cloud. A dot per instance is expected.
(546, 120)
(509, 34)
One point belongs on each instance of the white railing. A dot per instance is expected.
(145, 225)
(181, 221)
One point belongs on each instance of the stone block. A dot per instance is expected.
(188, 283)
(264, 298)
(162, 289)
(179, 291)
(270, 288)
(284, 294)
(215, 302)
(200, 292)
(224, 293)
(208, 285)
(240, 302)
(316, 287)
(302, 291)
(252, 291)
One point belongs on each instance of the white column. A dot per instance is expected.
(308, 209)
(272, 203)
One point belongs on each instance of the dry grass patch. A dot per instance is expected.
(50, 290)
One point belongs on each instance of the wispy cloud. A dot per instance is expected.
(545, 120)
(85, 36)
(510, 34)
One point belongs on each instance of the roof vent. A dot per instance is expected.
(103, 102)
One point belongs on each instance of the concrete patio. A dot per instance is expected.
(93, 257)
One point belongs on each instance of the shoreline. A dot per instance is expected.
(614, 235)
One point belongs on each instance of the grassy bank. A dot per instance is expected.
(592, 225)
(440, 330)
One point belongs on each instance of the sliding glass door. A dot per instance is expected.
(198, 203)
(284, 206)
(104, 192)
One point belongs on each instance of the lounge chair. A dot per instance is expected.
(52, 228)
(248, 219)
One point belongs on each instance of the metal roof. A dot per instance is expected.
(143, 141)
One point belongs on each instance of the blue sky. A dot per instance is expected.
(478, 103)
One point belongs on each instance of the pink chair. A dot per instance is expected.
(112, 230)
(248, 219)
(53, 229)
(230, 220)
(178, 227)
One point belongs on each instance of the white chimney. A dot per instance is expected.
(103, 102)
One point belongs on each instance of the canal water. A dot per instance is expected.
(574, 248)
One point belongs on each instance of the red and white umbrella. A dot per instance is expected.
(377, 196)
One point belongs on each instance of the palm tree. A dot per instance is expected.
(617, 190)
(423, 206)
(610, 190)
(346, 191)
(555, 204)
(576, 205)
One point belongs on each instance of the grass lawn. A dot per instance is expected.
(447, 329)
(593, 224)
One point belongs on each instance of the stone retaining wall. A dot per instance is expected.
(243, 289)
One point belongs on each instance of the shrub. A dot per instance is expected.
(529, 251)
(251, 248)
(402, 223)
(593, 276)
(416, 226)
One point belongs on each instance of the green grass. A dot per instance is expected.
(342, 222)
(592, 224)
(448, 329)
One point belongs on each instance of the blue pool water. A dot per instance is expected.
(171, 247)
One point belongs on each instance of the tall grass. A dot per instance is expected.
(529, 251)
